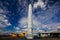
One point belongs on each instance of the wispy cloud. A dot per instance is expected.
(23, 22)
(3, 21)
(3, 9)
(41, 4)
(17, 30)
(46, 16)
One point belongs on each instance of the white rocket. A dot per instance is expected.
(29, 31)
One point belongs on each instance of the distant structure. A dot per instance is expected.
(54, 33)
(29, 31)
(58, 27)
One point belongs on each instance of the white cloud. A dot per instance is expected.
(5, 32)
(17, 28)
(18, 32)
(41, 4)
(44, 26)
(41, 30)
(58, 26)
(3, 21)
(45, 16)
(23, 22)
(3, 9)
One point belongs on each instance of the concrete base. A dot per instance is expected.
(29, 37)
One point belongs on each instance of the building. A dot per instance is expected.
(54, 33)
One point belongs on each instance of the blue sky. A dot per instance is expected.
(16, 12)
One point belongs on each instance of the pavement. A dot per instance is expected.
(9, 38)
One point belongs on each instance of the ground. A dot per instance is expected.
(18, 38)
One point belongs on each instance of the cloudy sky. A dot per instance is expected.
(14, 13)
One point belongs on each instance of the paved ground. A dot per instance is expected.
(51, 38)
(10, 38)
